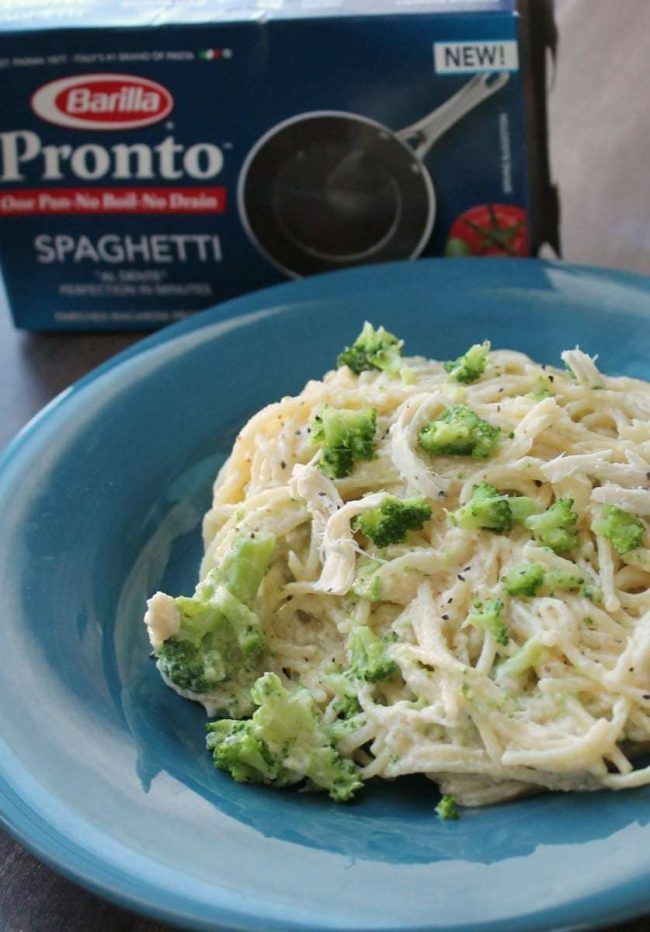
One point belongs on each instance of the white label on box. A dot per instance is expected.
(466, 57)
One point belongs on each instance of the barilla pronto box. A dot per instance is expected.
(156, 158)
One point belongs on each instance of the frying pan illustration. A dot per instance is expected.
(330, 189)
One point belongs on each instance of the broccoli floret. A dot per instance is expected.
(524, 579)
(527, 579)
(237, 748)
(195, 668)
(346, 706)
(243, 568)
(369, 660)
(367, 584)
(486, 509)
(564, 581)
(556, 527)
(490, 510)
(341, 728)
(446, 808)
(459, 431)
(521, 507)
(219, 636)
(624, 530)
(522, 660)
(487, 615)
(391, 521)
(282, 744)
(471, 366)
(346, 703)
(344, 436)
(373, 349)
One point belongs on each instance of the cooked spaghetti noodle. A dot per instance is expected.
(563, 700)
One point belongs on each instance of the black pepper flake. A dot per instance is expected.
(445, 617)
(646, 695)
(298, 433)
(289, 598)
(551, 378)
(538, 482)
(450, 600)
(467, 568)
(442, 494)
(462, 578)
(283, 465)
(501, 390)
(647, 475)
(630, 669)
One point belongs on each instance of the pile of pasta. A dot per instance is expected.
(579, 714)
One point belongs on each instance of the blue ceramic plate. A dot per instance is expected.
(103, 771)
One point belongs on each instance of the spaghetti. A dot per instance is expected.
(563, 700)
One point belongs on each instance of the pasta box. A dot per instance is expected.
(156, 158)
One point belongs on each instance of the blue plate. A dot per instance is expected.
(103, 771)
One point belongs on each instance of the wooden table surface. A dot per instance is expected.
(600, 115)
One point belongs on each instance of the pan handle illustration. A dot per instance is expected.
(329, 188)
(427, 131)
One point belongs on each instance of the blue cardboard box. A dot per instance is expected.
(156, 158)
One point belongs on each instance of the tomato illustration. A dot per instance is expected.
(489, 230)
